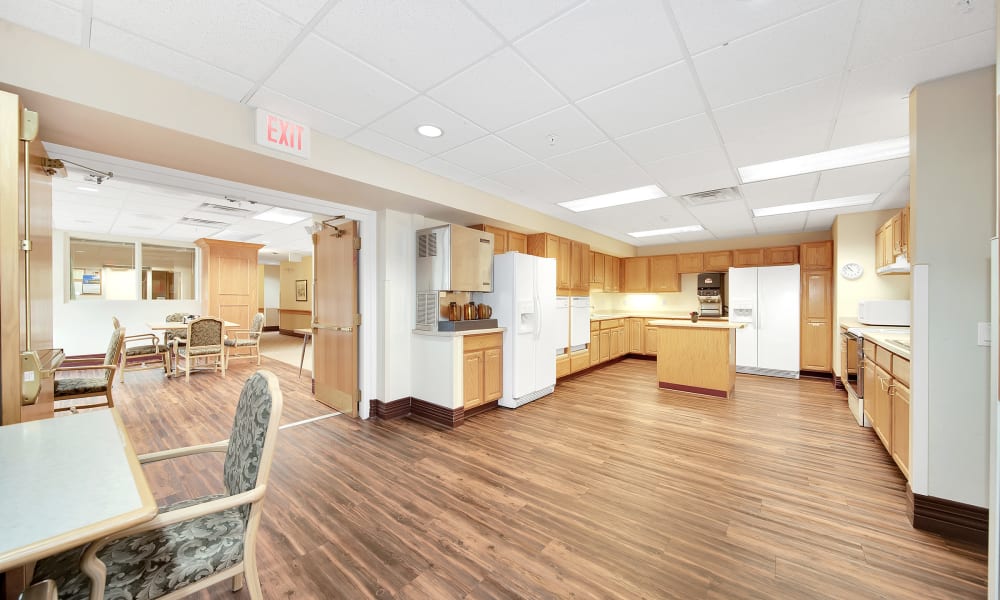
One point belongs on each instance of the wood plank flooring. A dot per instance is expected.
(608, 488)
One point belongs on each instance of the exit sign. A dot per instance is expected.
(278, 133)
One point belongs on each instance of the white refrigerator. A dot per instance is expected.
(524, 302)
(766, 299)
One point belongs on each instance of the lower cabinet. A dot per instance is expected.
(882, 421)
(634, 335)
(901, 427)
(605, 346)
(482, 369)
(562, 365)
(595, 347)
(887, 405)
(651, 340)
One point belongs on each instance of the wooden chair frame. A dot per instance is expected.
(147, 339)
(220, 357)
(112, 368)
(245, 571)
(236, 334)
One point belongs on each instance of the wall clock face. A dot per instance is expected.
(851, 271)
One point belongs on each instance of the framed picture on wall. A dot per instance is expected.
(301, 290)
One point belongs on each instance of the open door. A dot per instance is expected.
(335, 316)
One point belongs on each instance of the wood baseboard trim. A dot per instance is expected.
(271, 328)
(290, 332)
(640, 356)
(481, 409)
(954, 520)
(438, 415)
(394, 409)
(815, 374)
(693, 389)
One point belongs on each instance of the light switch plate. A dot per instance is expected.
(983, 334)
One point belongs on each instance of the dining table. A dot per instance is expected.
(67, 481)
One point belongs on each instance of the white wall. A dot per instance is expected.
(952, 206)
(397, 299)
(685, 300)
(272, 294)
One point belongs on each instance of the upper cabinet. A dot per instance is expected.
(579, 269)
(504, 240)
(572, 262)
(781, 255)
(892, 239)
(691, 263)
(718, 261)
(664, 275)
(752, 257)
(816, 255)
(636, 274)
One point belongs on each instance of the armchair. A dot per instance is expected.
(203, 340)
(68, 388)
(195, 543)
(144, 345)
(246, 338)
(170, 334)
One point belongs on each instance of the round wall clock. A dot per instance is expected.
(852, 271)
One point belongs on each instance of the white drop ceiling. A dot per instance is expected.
(546, 101)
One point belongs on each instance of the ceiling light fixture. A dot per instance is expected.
(667, 231)
(84, 188)
(786, 209)
(638, 194)
(431, 131)
(282, 215)
(824, 161)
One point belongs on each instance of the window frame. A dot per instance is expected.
(137, 245)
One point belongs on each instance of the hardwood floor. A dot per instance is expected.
(608, 488)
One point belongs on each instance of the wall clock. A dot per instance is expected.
(852, 271)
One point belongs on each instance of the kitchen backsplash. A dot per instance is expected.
(685, 300)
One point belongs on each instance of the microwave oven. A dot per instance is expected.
(884, 312)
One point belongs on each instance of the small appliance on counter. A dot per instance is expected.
(710, 294)
(452, 262)
(884, 312)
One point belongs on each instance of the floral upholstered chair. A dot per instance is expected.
(248, 339)
(68, 388)
(203, 341)
(170, 334)
(144, 346)
(192, 544)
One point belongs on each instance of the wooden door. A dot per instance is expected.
(472, 379)
(605, 349)
(335, 317)
(816, 255)
(651, 340)
(816, 348)
(635, 335)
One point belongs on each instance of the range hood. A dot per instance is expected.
(901, 265)
(454, 258)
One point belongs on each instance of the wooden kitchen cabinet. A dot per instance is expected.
(612, 274)
(472, 379)
(564, 267)
(650, 341)
(595, 347)
(816, 255)
(901, 427)
(482, 369)
(815, 351)
(664, 275)
(904, 230)
(597, 270)
(781, 255)
(718, 261)
(505, 240)
(691, 263)
(816, 316)
(751, 257)
(579, 269)
(517, 242)
(870, 384)
(817, 295)
(634, 336)
(636, 277)
(604, 349)
(882, 423)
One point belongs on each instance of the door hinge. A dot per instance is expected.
(357, 243)
(357, 320)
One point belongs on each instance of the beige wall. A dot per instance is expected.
(952, 207)
(685, 300)
(854, 241)
(290, 273)
(762, 241)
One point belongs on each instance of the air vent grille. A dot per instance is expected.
(427, 310)
(712, 196)
(227, 209)
(427, 245)
(202, 222)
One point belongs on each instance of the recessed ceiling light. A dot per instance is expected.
(638, 194)
(84, 188)
(282, 215)
(667, 231)
(823, 161)
(785, 209)
(431, 131)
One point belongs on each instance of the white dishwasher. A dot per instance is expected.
(579, 319)
(562, 324)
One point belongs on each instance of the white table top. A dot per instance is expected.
(67, 481)
(161, 325)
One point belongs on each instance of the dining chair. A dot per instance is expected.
(203, 340)
(68, 388)
(192, 544)
(42, 590)
(143, 346)
(170, 334)
(245, 338)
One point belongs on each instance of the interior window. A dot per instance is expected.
(167, 273)
(102, 270)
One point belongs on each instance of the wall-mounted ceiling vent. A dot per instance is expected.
(202, 222)
(427, 245)
(712, 196)
(226, 209)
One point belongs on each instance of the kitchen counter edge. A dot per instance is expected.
(459, 333)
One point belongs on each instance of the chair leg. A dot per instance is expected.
(223, 361)
(237, 582)
(252, 578)
(111, 401)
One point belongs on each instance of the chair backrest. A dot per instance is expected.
(257, 326)
(114, 354)
(170, 334)
(206, 331)
(175, 318)
(115, 323)
(254, 435)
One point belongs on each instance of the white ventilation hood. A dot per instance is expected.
(901, 265)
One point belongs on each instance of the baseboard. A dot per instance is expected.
(391, 410)
(291, 333)
(271, 328)
(640, 356)
(610, 361)
(814, 374)
(948, 518)
(481, 409)
(439, 415)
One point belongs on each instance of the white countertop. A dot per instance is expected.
(699, 325)
(891, 341)
(459, 333)
(650, 315)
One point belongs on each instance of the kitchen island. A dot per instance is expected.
(699, 358)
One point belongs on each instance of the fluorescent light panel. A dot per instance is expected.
(282, 215)
(785, 209)
(667, 231)
(823, 161)
(638, 194)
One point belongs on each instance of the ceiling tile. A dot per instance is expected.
(725, 219)
(787, 190)
(315, 118)
(150, 55)
(822, 220)
(380, 144)
(660, 97)
(793, 223)
(186, 233)
(569, 128)
(803, 49)
(420, 43)
(46, 17)
(541, 183)
(299, 10)
(679, 137)
(873, 178)
(709, 24)
(813, 102)
(241, 36)
(889, 28)
(487, 155)
(369, 95)
(598, 45)
(862, 128)
(779, 143)
(497, 92)
(514, 17)
(444, 168)
(880, 86)
(500, 190)
(695, 172)
(602, 168)
(401, 125)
